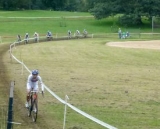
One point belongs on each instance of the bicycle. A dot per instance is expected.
(85, 34)
(33, 105)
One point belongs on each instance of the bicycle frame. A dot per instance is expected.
(33, 105)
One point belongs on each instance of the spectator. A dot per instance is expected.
(127, 34)
(120, 33)
(123, 35)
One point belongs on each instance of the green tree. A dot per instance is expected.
(37, 4)
(71, 5)
(15, 4)
(54, 4)
(132, 10)
(76, 5)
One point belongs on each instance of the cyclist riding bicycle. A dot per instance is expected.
(26, 38)
(32, 83)
(36, 37)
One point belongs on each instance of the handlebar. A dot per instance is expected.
(37, 92)
(33, 91)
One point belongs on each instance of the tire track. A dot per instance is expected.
(4, 82)
(20, 113)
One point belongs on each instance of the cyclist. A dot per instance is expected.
(18, 38)
(69, 34)
(36, 37)
(77, 33)
(32, 83)
(85, 33)
(26, 38)
(49, 35)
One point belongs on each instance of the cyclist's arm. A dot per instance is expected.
(40, 81)
(29, 79)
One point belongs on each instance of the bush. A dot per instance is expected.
(130, 20)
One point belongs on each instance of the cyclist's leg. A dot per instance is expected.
(34, 109)
(28, 97)
(35, 88)
(28, 91)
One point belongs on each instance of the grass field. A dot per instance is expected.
(40, 13)
(117, 85)
(21, 22)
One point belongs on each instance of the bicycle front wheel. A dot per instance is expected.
(34, 111)
(30, 108)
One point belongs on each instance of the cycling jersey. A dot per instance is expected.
(33, 82)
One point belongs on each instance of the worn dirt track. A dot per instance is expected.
(8, 74)
(4, 89)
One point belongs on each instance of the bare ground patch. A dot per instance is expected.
(154, 44)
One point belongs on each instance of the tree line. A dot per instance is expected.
(57, 5)
(130, 12)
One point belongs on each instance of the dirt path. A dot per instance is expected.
(4, 89)
(7, 74)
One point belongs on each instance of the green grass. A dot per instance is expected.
(116, 85)
(40, 13)
(10, 27)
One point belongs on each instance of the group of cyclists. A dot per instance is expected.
(34, 78)
(26, 37)
(49, 35)
(77, 34)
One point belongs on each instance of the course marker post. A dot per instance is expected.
(65, 110)
(92, 36)
(22, 68)
(10, 107)
(15, 45)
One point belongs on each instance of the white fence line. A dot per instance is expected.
(61, 100)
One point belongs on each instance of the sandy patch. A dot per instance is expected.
(154, 44)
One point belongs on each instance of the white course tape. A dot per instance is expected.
(79, 111)
(63, 101)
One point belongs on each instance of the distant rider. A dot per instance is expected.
(36, 37)
(69, 34)
(85, 33)
(26, 38)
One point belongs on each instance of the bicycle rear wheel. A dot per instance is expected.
(34, 111)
